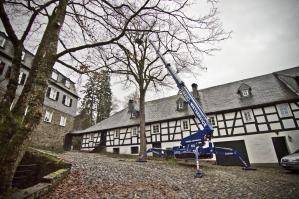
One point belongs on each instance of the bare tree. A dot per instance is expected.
(182, 38)
(66, 27)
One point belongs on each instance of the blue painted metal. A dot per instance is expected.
(198, 143)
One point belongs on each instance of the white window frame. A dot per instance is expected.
(116, 134)
(54, 75)
(155, 129)
(48, 116)
(67, 83)
(67, 100)
(62, 121)
(180, 105)
(23, 55)
(212, 120)
(3, 42)
(134, 131)
(53, 93)
(284, 110)
(248, 116)
(20, 77)
(245, 93)
(183, 125)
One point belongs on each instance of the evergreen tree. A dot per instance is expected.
(97, 101)
(104, 97)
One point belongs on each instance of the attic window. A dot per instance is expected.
(181, 105)
(244, 91)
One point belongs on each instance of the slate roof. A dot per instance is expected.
(266, 89)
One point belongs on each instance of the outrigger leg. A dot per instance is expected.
(234, 153)
(199, 173)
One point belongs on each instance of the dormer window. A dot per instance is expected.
(180, 104)
(244, 90)
(245, 93)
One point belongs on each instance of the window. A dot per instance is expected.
(8, 72)
(66, 100)
(2, 42)
(62, 121)
(116, 150)
(2, 66)
(22, 78)
(116, 133)
(156, 129)
(244, 90)
(248, 116)
(185, 125)
(23, 56)
(54, 76)
(180, 105)
(245, 93)
(134, 150)
(212, 121)
(48, 116)
(53, 94)
(134, 131)
(284, 110)
(67, 83)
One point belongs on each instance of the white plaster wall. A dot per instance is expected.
(260, 147)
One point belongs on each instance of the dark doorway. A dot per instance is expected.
(67, 142)
(156, 145)
(134, 150)
(116, 150)
(238, 145)
(280, 147)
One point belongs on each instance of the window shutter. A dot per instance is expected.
(57, 96)
(71, 101)
(63, 99)
(2, 65)
(23, 78)
(48, 92)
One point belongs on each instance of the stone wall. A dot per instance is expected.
(51, 135)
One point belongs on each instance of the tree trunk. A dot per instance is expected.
(142, 121)
(21, 126)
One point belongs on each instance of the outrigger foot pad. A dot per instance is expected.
(140, 160)
(249, 169)
(198, 174)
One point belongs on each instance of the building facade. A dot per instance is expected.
(60, 103)
(257, 116)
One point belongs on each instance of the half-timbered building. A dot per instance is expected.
(258, 116)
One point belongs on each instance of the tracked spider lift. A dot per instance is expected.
(198, 143)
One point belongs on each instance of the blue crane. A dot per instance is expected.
(199, 143)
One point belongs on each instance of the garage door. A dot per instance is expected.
(238, 145)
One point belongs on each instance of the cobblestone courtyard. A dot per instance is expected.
(100, 176)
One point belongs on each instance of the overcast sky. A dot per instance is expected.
(265, 39)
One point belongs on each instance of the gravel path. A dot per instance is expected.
(100, 176)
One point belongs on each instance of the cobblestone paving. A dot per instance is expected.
(100, 176)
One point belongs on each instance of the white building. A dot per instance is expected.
(257, 116)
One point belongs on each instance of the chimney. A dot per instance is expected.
(195, 92)
(132, 110)
(131, 106)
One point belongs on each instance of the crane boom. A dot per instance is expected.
(194, 105)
